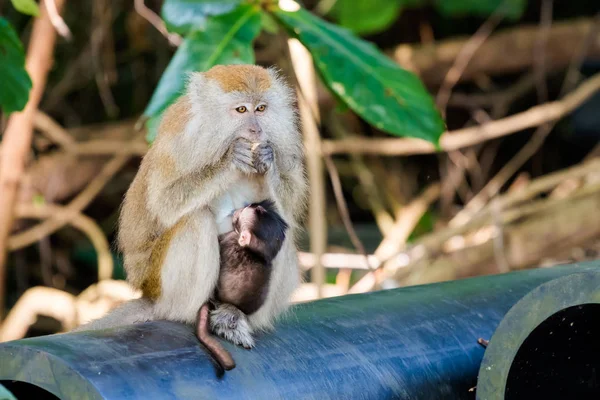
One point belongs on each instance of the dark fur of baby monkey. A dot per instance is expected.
(246, 253)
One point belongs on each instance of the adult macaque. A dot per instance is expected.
(230, 140)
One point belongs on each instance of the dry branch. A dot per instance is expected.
(307, 103)
(406, 221)
(19, 131)
(70, 311)
(434, 242)
(464, 56)
(454, 140)
(544, 229)
(433, 61)
(82, 222)
(84, 198)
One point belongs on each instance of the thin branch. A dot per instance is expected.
(509, 169)
(573, 74)
(80, 221)
(540, 50)
(53, 130)
(343, 208)
(81, 201)
(338, 260)
(465, 55)
(110, 147)
(150, 16)
(460, 138)
(366, 179)
(405, 223)
(99, 41)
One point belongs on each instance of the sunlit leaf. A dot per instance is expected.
(28, 7)
(226, 39)
(374, 86)
(269, 24)
(184, 16)
(512, 9)
(15, 83)
(366, 16)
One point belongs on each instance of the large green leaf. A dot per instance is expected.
(366, 16)
(390, 98)
(226, 39)
(15, 82)
(512, 9)
(28, 7)
(184, 16)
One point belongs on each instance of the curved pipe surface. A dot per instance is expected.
(417, 342)
(548, 344)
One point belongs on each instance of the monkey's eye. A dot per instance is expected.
(261, 108)
(241, 109)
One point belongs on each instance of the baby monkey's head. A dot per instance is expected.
(260, 228)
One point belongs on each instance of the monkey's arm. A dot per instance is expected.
(289, 186)
(171, 199)
(175, 190)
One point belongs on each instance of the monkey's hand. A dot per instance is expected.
(263, 158)
(242, 156)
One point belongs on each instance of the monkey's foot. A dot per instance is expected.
(232, 325)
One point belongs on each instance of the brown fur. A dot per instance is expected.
(176, 117)
(151, 286)
(240, 78)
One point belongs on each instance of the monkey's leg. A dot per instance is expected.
(231, 324)
(130, 312)
(190, 269)
(285, 278)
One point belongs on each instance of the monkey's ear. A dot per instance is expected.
(260, 209)
(195, 82)
(245, 238)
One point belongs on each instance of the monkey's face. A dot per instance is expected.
(246, 101)
(247, 113)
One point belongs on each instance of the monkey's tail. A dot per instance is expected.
(218, 351)
(130, 312)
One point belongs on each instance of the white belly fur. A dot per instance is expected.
(241, 193)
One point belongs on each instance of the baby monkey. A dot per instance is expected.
(247, 254)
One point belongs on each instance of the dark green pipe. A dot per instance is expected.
(411, 343)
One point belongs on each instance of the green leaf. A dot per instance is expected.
(366, 16)
(513, 9)
(184, 16)
(374, 86)
(226, 39)
(28, 7)
(269, 24)
(15, 83)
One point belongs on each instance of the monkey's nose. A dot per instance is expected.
(255, 131)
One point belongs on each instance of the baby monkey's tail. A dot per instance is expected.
(214, 347)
